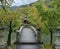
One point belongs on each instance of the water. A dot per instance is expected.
(26, 47)
(27, 35)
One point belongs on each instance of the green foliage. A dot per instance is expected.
(11, 47)
(47, 46)
(8, 16)
(39, 15)
(56, 6)
(49, 16)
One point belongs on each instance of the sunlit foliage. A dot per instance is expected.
(39, 15)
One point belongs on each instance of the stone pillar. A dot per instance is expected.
(1, 40)
(57, 42)
(1, 36)
(17, 36)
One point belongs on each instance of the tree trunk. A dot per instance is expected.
(51, 34)
(9, 35)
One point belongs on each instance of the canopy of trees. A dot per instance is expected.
(39, 14)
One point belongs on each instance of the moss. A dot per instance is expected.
(11, 47)
(47, 46)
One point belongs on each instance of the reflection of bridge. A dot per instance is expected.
(26, 38)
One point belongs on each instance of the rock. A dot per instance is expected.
(2, 45)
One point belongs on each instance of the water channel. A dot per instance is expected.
(27, 36)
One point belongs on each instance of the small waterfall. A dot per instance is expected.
(27, 35)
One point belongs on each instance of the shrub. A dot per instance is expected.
(47, 46)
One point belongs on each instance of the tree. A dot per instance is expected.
(49, 16)
(10, 20)
(6, 3)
